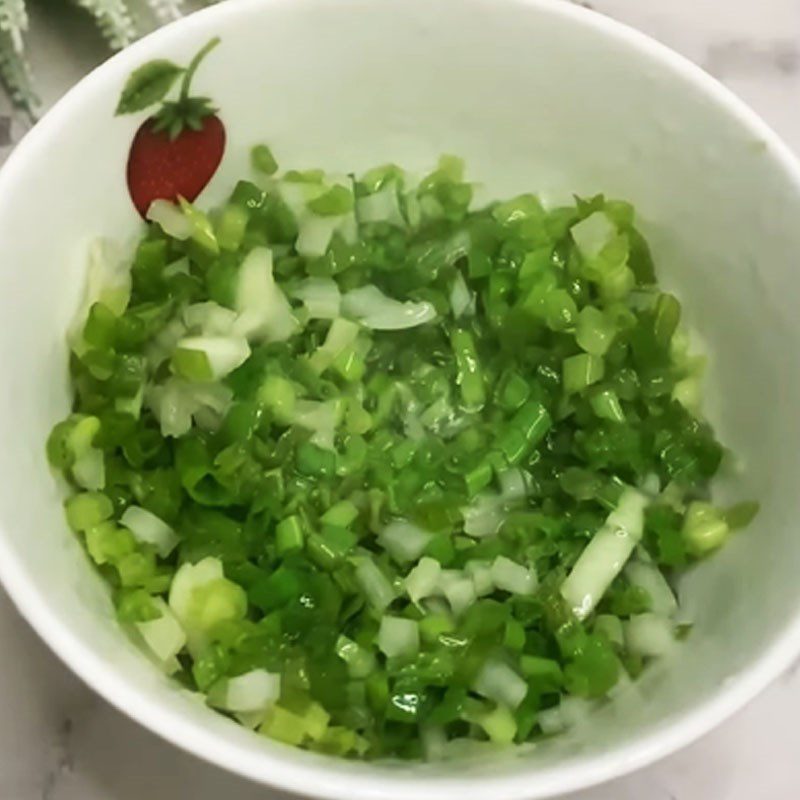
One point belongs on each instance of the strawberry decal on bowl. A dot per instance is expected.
(177, 150)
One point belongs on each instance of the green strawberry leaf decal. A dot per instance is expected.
(148, 85)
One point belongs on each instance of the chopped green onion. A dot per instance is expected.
(336, 201)
(87, 509)
(360, 662)
(461, 300)
(284, 726)
(232, 226)
(499, 725)
(170, 218)
(328, 548)
(381, 206)
(498, 682)
(581, 371)
(374, 583)
(470, 377)
(200, 229)
(423, 579)
(163, 635)
(649, 577)
(398, 638)
(741, 514)
(201, 598)
(594, 331)
(357, 459)
(593, 234)
(209, 358)
(649, 635)
(148, 528)
(264, 311)
(605, 555)
(459, 590)
(341, 335)
(279, 396)
(289, 535)
(512, 577)
(403, 541)
(606, 405)
(610, 627)
(375, 310)
(321, 297)
(254, 691)
(482, 577)
(342, 514)
(704, 528)
(263, 160)
(544, 674)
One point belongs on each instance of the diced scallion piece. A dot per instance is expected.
(201, 598)
(470, 376)
(264, 311)
(209, 358)
(423, 580)
(649, 635)
(704, 528)
(606, 554)
(360, 662)
(606, 405)
(376, 587)
(398, 638)
(582, 371)
(594, 331)
(263, 160)
(512, 577)
(148, 528)
(651, 579)
(254, 691)
(163, 635)
(592, 234)
(87, 509)
(500, 683)
(373, 309)
(403, 541)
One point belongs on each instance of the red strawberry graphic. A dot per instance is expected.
(175, 152)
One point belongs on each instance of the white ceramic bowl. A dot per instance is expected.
(535, 95)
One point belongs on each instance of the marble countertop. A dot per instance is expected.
(59, 741)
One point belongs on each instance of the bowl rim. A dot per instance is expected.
(337, 779)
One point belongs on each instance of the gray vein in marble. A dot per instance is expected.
(740, 56)
(5, 131)
(62, 761)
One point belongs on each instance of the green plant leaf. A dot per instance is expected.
(147, 85)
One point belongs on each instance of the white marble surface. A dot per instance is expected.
(58, 741)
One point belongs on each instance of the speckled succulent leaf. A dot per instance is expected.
(114, 20)
(167, 10)
(14, 21)
(15, 75)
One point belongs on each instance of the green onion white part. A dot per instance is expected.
(253, 692)
(163, 635)
(375, 310)
(148, 528)
(606, 555)
(398, 637)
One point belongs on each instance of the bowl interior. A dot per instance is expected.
(536, 96)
